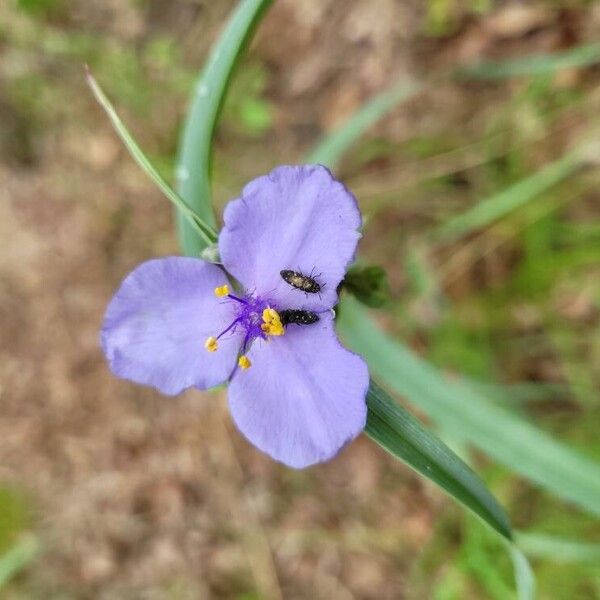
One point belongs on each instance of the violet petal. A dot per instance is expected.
(303, 398)
(298, 218)
(157, 322)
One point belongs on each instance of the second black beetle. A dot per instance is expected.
(298, 317)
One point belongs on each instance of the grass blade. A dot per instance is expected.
(398, 432)
(195, 221)
(17, 557)
(524, 578)
(195, 149)
(502, 435)
(515, 394)
(499, 205)
(557, 549)
(333, 146)
(330, 150)
(580, 56)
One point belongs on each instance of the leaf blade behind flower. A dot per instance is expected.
(195, 146)
(502, 435)
(398, 432)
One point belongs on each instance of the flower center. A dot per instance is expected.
(254, 316)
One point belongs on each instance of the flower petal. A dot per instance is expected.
(295, 218)
(156, 325)
(303, 398)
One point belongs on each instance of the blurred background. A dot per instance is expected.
(108, 490)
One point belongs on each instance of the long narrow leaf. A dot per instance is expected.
(581, 56)
(501, 434)
(558, 549)
(499, 205)
(17, 557)
(194, 220)
(515, 394)
(524, 578)
(195, 150)
(404, 437)
(333, 146)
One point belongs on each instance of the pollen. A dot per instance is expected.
(244, 362)
(222, 291)
(270, 315)
(211, 344)
(272, 324)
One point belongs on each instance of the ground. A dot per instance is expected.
(133, 495)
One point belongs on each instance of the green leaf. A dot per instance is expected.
(513, 197)
(195, 150)
(334, 145)
(200, 227)
(477, 557)
(398, 432)
(524, 578)
(581, 56)
(504, 436)
(557, 549)
(515, 394)
(17, 557)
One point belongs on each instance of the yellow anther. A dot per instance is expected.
(211, 344)
(222, 291)
(244, 362)
(276, 329)
(272, 322)
(270, 315)
(272, 329)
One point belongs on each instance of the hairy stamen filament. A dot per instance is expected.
(255, 316)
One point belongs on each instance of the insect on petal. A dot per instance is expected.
(297, 219)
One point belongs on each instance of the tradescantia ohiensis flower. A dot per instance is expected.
(177, 322)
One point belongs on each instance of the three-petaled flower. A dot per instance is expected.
(177, 322)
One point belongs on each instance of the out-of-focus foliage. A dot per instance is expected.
(369, 284)
(17, 548)
(14, 518)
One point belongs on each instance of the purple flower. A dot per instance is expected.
(177, 323)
